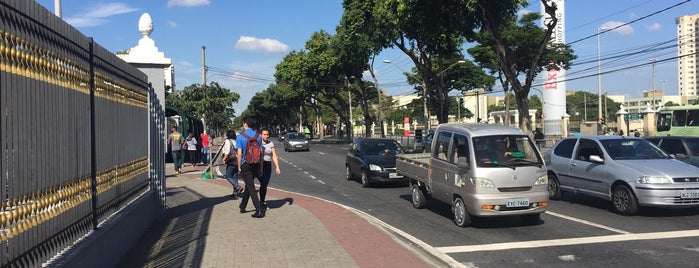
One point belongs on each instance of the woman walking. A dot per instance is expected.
(270, 155)
(192, 148)
(229, 158)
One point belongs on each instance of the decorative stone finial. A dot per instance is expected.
(145, 24)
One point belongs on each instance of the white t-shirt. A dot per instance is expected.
(229, 147)
(268, 151)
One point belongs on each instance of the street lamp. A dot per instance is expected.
(599, 80)
(425, 113)
(450, 66)
(653, 93)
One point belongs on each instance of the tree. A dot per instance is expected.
(212, 102)
(521, 49)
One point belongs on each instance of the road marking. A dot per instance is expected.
(321, 153)
(569, 241)
(587, 222)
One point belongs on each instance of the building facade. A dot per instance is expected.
(687, 40)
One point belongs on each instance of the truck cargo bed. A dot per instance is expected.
(413, 166)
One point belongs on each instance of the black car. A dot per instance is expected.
(685, 149)
(374, 160)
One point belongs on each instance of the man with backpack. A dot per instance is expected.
(249, 144)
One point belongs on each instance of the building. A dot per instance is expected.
(687, 40)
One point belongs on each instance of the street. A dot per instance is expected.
(577, 231)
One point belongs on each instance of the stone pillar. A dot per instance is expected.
(649, 128)
(491, 119)
(621, 122)
(565, 119)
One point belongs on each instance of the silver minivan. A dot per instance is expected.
(628, 171)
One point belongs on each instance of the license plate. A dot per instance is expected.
(516, 203)
(394, 176)
(689, 194)
(299, 146)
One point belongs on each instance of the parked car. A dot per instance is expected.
(374, 160)
(685, 149)
(282, 136)
(295, 141)
(630, 172)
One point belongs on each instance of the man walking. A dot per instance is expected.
(174, 141)
(204, 147)
(247, 170)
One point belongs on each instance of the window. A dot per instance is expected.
(587, 148)
(442, 146)
(565, 148)
(672, 146)
(460, 149)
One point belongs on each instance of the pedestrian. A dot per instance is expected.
(191, 144)
(249, 171)
(636, 133)
(621, 132)
(174, 141)
(205, 151)
(231, 162)
(270, 155)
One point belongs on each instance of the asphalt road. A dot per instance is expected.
(577, 231)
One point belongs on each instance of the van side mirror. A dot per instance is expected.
(462, 162)
(596, 159)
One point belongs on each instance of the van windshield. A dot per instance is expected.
(506, 151)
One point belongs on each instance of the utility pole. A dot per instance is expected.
(203, 65)
(653, 93)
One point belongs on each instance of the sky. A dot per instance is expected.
(249, 38)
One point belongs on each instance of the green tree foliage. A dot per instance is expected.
(211, 102)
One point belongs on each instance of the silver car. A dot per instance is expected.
(295, 141)
(630, 172)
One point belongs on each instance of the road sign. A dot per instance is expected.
(543, 116)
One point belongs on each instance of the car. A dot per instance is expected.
(628, 171)
(282, 136)
(373, 160)
(685, 149)
(295, 141)
(427, 141)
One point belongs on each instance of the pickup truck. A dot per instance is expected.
(482, 170)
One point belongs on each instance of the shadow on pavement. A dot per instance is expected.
(280, 202)
(179, 239)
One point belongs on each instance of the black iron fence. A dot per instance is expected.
(74, 135)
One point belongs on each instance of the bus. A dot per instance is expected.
(678, 121)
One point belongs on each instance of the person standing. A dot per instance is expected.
(174, 141)
(249, 171)
(191, 144)
(636, 133)
(270, 155)
(229, 158)
(205, 147)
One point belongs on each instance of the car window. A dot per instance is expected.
(654, 140)
(621, 149)
(565, 148)
(442, 146)
(693, 145)
(460, 149)
(382, 147)
(673, 146)
(586, 148)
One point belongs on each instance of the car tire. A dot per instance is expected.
(624, 201)
(418, 196)
(460, 214)
(554, 187)
(365, 180)
(348, 173)
(531, 219)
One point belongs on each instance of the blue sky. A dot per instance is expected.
(249, 38)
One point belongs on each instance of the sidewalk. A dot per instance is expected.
(204, 228)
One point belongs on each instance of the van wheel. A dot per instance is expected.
(365, 180)
(419, 200)
(348, 173)
(624, 201)
(461, 217)
(554, 187)
(531, 219)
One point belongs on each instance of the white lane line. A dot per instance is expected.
(569, 241)
(312, 177)
(587, 222)
(321, 153)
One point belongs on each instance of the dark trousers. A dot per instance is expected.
(192, 157)
(264, 179)
(249, 173)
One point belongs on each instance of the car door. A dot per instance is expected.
(441, 167)
(353, 161)
(586, 175)
(559, 161)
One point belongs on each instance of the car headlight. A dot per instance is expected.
(375, 167)
(654, 179)
(542, 180)
(482, 183)
(305, 142)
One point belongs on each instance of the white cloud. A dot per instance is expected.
(654, 27)
(263, 44)
(97, 14)
(523, 11)
(623, 30)
(172, 24)
(187, 3)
